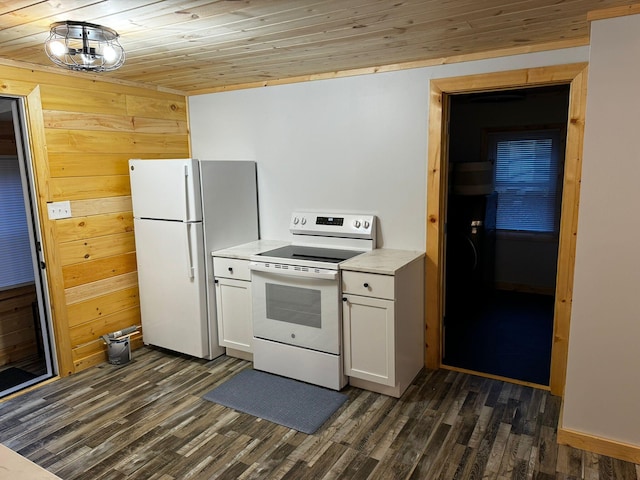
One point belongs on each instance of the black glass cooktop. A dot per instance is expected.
(314, 254)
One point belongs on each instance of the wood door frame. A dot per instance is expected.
(574, 75)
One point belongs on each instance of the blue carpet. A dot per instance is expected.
(505, 333)
(287, 402)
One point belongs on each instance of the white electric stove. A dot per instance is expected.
(297, 314)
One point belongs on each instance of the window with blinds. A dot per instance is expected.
(528, 179)
(16, 266)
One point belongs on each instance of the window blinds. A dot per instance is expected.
(527, 179)
(16, 265)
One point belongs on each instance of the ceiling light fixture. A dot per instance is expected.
(84, 46)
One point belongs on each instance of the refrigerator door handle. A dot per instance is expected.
(191, 269)
(186, 193)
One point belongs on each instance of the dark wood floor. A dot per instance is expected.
(147, 420)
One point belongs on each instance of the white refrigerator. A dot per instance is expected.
(184, 209)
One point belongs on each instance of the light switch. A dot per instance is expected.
(59, 210)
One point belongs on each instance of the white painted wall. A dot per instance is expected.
(356, 144)
(602, 395)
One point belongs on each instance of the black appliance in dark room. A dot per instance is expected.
(471, 237)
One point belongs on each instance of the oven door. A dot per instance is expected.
(297, 307)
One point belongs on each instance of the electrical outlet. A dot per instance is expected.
(59, 210)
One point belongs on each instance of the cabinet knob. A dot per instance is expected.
(366, 285)
(344, 299)
(230, 270)
(215, 281)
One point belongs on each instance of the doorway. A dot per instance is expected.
(26, 356)
(503, 197)
(574, 76)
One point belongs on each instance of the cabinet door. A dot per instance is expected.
(233, 306)
(369, 339)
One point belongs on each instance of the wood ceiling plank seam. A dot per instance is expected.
(489, 30)
(283, 56)
(349, 14)
(145, 13)
(40, 15)
(293, 28)
(37, 30)
(410, 16)
(8, 7)
(322, 28)
(196, 51)
(257, 17)
(518, 50)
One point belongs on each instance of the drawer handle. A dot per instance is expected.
(366, 285)
(230, 270)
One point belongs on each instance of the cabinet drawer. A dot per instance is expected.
(231, 268)
(368, 284)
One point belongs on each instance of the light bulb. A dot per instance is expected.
(109, 54)
(57, 48)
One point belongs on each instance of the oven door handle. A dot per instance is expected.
(316, 273)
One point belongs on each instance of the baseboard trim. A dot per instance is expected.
(599, 445)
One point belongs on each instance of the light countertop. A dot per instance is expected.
(385, 261)
(246, 250)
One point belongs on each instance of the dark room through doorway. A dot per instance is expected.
(505, 176)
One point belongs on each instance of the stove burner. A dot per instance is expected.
(314, 254)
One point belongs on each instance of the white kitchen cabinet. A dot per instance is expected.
(383, 320)
(369, 339)
(233, 306)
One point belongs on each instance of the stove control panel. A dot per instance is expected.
(347, 225)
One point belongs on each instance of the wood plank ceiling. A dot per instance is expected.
(198, 45)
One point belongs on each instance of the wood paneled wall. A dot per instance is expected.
(82, 133)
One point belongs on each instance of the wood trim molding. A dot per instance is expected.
(541, 47)
(568, 231)
(434, 235)
(38, 145)
(613, 12)
(96, 77)
(573, 74)
(599, 445)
